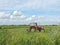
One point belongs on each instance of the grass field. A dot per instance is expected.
(18, 35)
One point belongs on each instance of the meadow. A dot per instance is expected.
(18, 35)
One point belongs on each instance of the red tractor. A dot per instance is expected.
(35, 27)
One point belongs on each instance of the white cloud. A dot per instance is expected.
(29, 19)
(4, 15)
(40, 17)
(29, 4)
(18, 15)
(52, 20)
(32, 18)
(15, 15)
(23, 17)
(41, 4)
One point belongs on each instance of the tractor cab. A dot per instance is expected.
(33, 24)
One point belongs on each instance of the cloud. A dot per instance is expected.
(32, 18)
(41, 17)
(15, 18)
(18, 15)
(41, 4)
(4, 15)
(30, 5)
(58, 21)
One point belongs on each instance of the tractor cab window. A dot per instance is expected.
(33, 24)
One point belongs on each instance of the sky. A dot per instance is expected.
(18, 12)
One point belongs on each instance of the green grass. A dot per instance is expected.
(18, 35)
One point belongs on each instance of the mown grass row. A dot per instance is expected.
(20, 36)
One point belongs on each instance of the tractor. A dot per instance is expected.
(36, 27)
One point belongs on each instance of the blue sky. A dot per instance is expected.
(16, 12)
